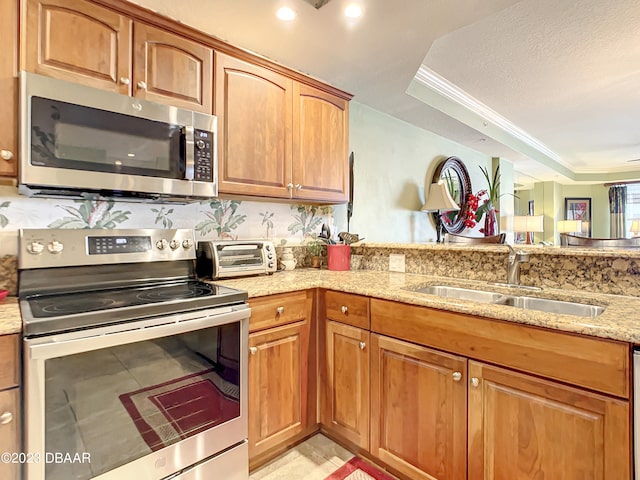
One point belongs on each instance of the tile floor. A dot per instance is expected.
(313, 459)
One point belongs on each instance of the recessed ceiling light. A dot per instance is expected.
(353, 10)
(286, 14)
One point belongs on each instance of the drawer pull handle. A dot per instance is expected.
(5, 418)
(125, 81)
(457, 376)
(253, 350)
(475, 382)
(142, 85)
(6, 154)
(362, 345)
(280, 310)
(344, 309)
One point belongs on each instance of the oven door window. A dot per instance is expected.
(76, 137)
(120, 403)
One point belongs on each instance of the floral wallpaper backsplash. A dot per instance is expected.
(211, 219)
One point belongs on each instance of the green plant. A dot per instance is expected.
(314, 247)
(493, 192)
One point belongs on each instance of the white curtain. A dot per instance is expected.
(617, 204)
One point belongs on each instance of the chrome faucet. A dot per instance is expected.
(513, 265)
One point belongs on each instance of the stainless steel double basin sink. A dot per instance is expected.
(518, 301)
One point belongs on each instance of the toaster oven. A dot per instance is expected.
(235, 258)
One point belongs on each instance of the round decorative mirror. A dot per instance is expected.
(456, 177)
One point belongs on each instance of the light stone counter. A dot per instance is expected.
(619, 321)
(10, 320)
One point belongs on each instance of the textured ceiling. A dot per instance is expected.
(564, 72)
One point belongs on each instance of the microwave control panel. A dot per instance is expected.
(203, 156)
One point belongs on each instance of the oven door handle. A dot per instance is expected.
(71, 343)
(189, 154)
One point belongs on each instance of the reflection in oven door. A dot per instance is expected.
(135, 400)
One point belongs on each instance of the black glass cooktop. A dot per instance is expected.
(61, 304)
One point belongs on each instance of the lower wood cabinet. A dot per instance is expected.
(282, 366)
(345, 400)
(10, 416)
(418, 409)
(522, 427)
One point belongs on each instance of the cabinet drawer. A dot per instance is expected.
(9, 350)
(594, 363)
(347, 308)
(274, 310)
(10, 431)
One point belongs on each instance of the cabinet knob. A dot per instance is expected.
(289, 186)
(362, 345)
(298, 187)
(6, 154)
(457, 376)
(125, 81)
(5, 418)
(344, 309)
(253, 350)
(142, 85)
(280, 310)
(475, 382)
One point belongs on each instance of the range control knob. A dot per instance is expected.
(55, 247)
(35, 248)
(269, 256)
(267, 247)
(162, 244)
(174, 244)
(270, 265)
(188, 243)
(200, 144)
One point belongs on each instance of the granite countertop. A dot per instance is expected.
(619, 321)
(10, 320)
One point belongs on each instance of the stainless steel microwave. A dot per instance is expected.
(78, 141)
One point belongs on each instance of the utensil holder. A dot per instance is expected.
(339, 257)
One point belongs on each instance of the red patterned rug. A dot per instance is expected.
(358, 469)
(174, 410)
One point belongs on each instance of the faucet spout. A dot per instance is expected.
(513, 264)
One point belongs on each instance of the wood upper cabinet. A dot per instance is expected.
(524, 427)
(9, 87)
(78, 41)
(278, 385)
(171, 69)
(277, 137)
(418, 410)
(84, 43)
(345, 399)
(320, 145)
(254, 109)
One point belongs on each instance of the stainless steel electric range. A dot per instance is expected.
(133, 368)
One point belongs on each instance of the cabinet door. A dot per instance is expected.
(253, 105)
(9, 431)
(171, 69)
(321, 138)
(526, 428)
(418, 410)
(345, 399)
(8, 87)
(78, 41)
(278, 384)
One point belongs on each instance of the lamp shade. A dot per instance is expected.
(522, 223)
(439, 199)
(635, 227)
(569, 226)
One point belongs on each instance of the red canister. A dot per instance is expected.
(339, 257)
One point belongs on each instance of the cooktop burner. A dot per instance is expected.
(97, 300)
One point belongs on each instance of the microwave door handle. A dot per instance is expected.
(189, 153)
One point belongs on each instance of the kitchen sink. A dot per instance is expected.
(552, 306)
(517, 301)
(461, 293)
